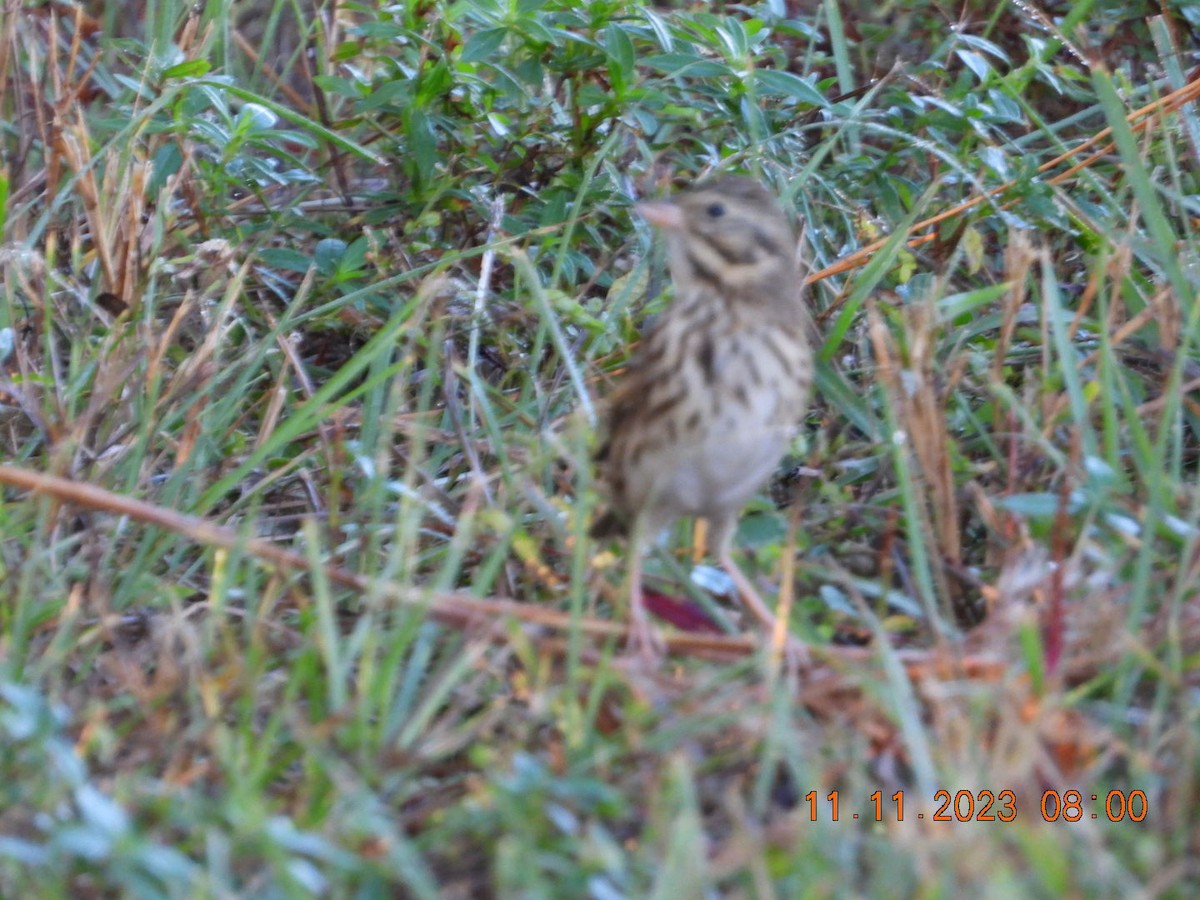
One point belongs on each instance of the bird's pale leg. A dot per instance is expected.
(644, 639)
(794, 648)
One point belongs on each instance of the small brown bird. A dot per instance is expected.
(717, 389)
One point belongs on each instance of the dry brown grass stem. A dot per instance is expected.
(1140, 120)
(913, 393)
(454, 609)
(489, 617)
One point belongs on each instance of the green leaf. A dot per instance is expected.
(347, 50)
(3, 199)
(1039, 505)
(435, 82)
(621, 58)
(679, 64)
(328, 254)
(187, 69)
(353, 257)
(483, 44)
(953, 306)
(342, 87)
(975, 63)
(167, 161)
(283, 258)
(422, 144)
(786, 84)
(761, 529)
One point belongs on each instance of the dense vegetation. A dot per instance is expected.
(306, 318)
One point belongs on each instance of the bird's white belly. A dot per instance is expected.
(740, 440)
(722, 472)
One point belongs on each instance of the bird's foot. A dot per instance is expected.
(645, 642)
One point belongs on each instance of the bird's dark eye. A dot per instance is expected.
(715, 210)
